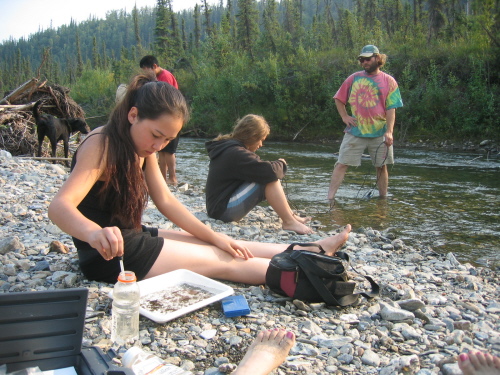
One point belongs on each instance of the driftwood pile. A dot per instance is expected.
(17, 125)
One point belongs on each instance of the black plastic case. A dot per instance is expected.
(45, 329)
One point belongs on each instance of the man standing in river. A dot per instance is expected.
(373, 97)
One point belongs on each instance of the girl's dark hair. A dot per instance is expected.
(125, 186)
(248, 130)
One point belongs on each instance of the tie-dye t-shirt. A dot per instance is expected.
(369, 97)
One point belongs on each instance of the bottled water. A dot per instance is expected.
(125, 309)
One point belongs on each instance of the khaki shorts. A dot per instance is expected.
(353, 147)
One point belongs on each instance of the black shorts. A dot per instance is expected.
(141, 251)
(171, 148)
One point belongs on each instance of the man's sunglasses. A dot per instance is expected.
(362, 59)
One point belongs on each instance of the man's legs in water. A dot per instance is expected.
(382, 181)
(337, 177)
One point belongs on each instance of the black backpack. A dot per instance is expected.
(314, 277)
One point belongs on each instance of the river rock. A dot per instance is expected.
(451, 369)
(370, 358)
(391, 313)
(11, 244)
(411, 304)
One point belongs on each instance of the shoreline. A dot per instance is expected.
(487, 146)
(431, 307)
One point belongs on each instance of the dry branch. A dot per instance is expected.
(16, 107)
(44, 158)
(17, 93)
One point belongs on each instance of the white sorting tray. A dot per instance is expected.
(181, 276)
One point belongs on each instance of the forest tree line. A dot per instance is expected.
(284, 60)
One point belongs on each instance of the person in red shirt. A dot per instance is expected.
(166, 156)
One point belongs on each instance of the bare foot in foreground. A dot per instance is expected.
(332, 244)
(297, 227)
(477, 363)
(266, 353)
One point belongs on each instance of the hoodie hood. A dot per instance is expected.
(215, 148)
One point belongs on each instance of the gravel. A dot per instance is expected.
(431, 306)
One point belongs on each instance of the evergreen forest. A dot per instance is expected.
(284, 60)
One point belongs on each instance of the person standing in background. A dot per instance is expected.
(373, 96)
(166, 156)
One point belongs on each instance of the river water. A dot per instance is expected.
(449, 201)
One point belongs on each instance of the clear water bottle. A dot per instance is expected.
(125, 309)
(144, 363)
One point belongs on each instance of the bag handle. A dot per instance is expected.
(338, 254)
(308, 266)
(308, 244)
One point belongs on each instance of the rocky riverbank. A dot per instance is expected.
(488, 147)
(431, 307)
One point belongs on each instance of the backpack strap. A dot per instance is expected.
(309, 267)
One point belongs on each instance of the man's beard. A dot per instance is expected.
(372, 67)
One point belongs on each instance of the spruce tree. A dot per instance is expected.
(247, 25)
(136, 26)
(79, 60)
(197, 28)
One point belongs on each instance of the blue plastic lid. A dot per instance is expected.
(235, 306)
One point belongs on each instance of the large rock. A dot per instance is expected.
(11, 244)
(394, 314)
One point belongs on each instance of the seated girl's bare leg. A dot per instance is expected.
(266, 249)
(277, 199)
(266, 353)
(183, 250)
(330, 244)
(187, 252)
(477, 363)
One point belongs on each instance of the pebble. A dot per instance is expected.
(431, 307)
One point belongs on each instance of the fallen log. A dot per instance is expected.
(43, 158)
(16, 107)
(14, 95)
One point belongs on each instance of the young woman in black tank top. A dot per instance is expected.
(114, 174)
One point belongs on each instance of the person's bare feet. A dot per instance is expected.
(301, 219)
(332, 244)
(266, 353)
(297, 227)
(477, 363)
(171, 181)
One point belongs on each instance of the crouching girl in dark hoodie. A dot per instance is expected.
(238, 179)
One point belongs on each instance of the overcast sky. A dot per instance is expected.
(20, 18)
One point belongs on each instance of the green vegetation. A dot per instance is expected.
(284, 60)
